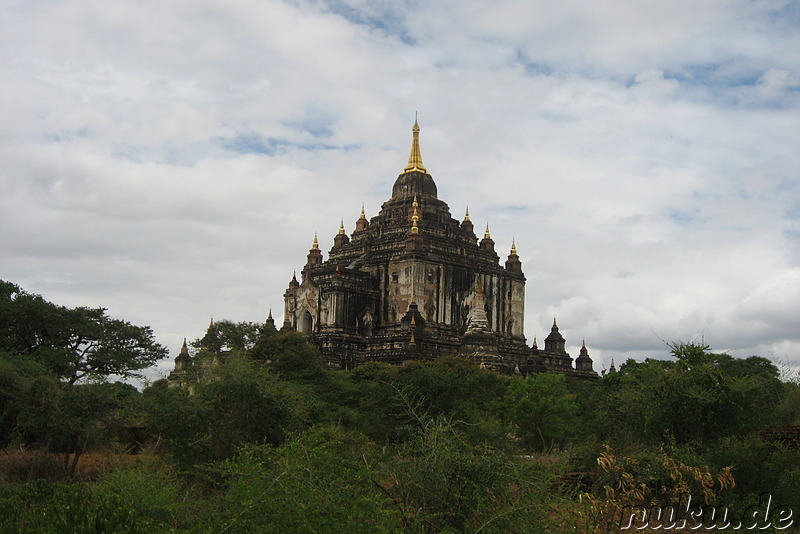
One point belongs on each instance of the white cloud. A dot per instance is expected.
(172, 160)
(776, 82)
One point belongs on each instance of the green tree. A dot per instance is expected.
(541, 409)
(179, 421)
(237, 338)
(238, 402)
(320, 481)
(11, 384)
(288, 353)
(73, 343)
(457, 389)
(701, 396)
(443, 483)
(72, 419)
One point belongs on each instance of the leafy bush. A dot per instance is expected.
(321, 481)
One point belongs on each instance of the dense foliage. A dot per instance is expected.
(267, 439)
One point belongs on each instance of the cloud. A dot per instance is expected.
(777, 82)
(172, 161)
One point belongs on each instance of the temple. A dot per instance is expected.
(412, 283)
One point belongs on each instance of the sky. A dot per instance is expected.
(171, 161)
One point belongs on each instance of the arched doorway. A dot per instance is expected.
(306, 323)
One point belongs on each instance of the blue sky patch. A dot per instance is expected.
(384, 19)
(531, 66)
(270, 146)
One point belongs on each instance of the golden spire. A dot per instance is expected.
(315, 244)
(584, 344)
(412, 338)
(513, 246)
(466, 215)
(341, 227)
(487, 235)
(415, 159)
(554, 323)
(413, 320)
(363, 215)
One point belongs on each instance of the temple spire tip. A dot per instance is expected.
(415, 158)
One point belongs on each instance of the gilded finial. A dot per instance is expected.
(413, 320)
(584, 344)
(363, 215)
(554, 323)
(412, 340)
(315, 244)
(415, 158)
(466, 215)
(513, 246)
(341, 227)
(486, 234)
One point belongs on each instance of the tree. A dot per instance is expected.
(228, 336)
(73, 343)
(702, 396)
(541, 409)
(319, 481)
(290, 354)
(72, 419)
(178, 420)
(238, 402)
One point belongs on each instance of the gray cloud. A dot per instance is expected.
(173, 161)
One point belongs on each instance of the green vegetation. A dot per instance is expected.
(270, 440)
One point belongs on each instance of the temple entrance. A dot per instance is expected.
(306, 323)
